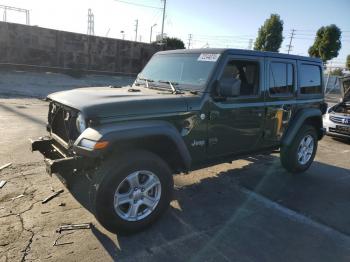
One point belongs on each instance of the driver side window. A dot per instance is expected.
(246, 73)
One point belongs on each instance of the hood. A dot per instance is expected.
(108, 102)
(345, 88)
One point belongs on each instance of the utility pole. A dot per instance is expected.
(290, 41)
(123, 34)
(250, 44)
(150, 36)
(91, 23)
(189, 41)
(4, 15)
(136, 28)
(162, 33)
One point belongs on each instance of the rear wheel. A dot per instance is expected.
(133, 191)
(300, 154)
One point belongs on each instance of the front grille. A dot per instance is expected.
(340, 120)
(62, 122)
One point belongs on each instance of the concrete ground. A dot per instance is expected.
(249, 210)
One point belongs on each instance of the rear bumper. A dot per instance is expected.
(56, 160)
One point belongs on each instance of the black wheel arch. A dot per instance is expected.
(310, 116)
(158, 137)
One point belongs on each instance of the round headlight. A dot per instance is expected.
(81, 124)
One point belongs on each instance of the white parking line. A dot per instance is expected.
(294, 215)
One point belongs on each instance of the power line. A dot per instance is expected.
(141, 5)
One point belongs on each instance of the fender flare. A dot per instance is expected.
(119, 132)
(297, 122)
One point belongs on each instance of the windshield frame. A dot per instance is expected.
(184, 86)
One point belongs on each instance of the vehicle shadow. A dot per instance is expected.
(214, 219)
(23, 115)
(342, 140)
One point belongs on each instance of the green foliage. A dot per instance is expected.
(336, 72)
(327, 43)
(347, 65)
(171, 43)
(270, 34)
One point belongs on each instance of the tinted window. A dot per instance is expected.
(310, 79)
(281, 78)
(247, 72)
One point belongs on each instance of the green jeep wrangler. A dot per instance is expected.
(187, 109)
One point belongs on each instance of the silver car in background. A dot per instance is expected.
(337, 119)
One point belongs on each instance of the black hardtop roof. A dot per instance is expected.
(241, 52)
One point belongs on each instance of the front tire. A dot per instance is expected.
(300, 154)
(131, 192)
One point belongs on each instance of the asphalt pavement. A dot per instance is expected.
(247, 210)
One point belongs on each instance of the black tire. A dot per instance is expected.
(112, 173)
(289, 154)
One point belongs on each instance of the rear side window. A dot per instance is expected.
(310, 79)
(281, 78)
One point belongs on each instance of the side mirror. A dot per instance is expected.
(229, 87)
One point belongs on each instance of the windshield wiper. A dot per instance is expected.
(172, 86)
(146, 80)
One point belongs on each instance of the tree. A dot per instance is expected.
(327, 43)
(336, 72)
(347, 65)
(171, 43)
(270, 34)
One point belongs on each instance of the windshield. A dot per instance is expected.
(190, 70)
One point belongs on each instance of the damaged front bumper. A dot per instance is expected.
(56, 160)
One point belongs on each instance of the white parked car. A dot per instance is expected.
(337, 119)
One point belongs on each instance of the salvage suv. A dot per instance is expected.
(187, 109)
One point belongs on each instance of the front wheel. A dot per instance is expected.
(300, 154)
(133, 191)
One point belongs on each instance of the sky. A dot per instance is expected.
(220, 23)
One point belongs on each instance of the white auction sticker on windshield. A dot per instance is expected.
(209, 57)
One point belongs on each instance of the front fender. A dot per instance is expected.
(301, 117)
(114, 133)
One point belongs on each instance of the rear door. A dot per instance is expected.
(280, 95)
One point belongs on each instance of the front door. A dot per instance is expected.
(236, 124)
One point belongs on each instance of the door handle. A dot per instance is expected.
(286, 108)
